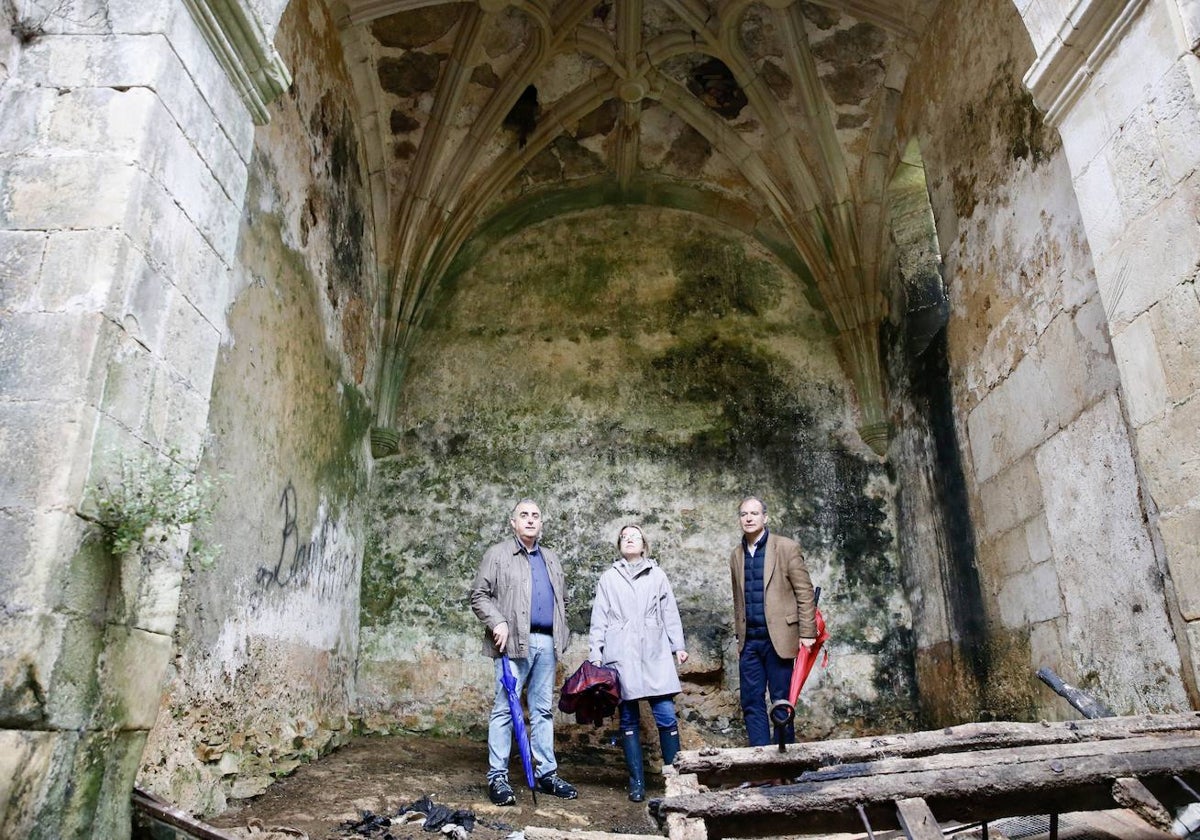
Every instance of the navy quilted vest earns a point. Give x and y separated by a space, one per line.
756 615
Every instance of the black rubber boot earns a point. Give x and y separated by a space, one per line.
631 742
668 739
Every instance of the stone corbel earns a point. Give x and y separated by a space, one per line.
248 57
859 351
384 442
1086 37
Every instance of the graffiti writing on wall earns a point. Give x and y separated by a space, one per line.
301 563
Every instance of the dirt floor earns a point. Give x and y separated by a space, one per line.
385 774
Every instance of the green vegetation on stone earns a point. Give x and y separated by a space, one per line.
153 499
717 279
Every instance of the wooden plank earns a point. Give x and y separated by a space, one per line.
714 767
1132 794
917 821
985 785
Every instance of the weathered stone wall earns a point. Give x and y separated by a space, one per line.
1069 574
935 535
1129 123
628 365
132 266
123 151
9 43
268 632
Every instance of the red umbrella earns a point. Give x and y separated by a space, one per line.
518 721
806 657
783 712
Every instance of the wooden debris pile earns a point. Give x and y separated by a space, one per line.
971 773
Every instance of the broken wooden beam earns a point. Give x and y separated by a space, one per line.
163 812
962 786
741 764
1132 794
917 820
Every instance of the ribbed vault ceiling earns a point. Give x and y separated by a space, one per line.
775 117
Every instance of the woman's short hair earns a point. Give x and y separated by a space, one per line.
638 528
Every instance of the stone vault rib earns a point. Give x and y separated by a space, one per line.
838 225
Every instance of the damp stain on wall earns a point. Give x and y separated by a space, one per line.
627 364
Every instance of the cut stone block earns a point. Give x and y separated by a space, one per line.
1109 576
134 663
1169 450
25 763
1181 541
21 255
1145 382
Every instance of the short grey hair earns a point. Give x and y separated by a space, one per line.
752 499
526 501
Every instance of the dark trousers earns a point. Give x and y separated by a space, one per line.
760 668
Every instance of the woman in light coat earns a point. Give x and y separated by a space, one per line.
636 629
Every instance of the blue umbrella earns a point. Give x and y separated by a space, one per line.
518 721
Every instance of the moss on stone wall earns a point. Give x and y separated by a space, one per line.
717 278
625 365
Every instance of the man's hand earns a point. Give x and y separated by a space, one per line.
681 656
807 642
500 635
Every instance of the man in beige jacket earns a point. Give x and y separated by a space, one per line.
774 612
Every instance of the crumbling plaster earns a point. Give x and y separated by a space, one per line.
267 640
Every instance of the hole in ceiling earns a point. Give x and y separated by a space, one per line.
713 84
522 118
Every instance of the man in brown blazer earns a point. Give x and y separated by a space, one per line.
774 612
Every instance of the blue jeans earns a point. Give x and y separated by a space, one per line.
663 709
760 668
536 675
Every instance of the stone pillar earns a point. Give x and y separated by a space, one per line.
124 146
1120 82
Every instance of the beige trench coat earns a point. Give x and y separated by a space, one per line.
636 629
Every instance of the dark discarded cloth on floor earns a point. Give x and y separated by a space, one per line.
437 816
370 825
591 693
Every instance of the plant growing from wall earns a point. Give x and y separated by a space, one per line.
151 500
31 20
